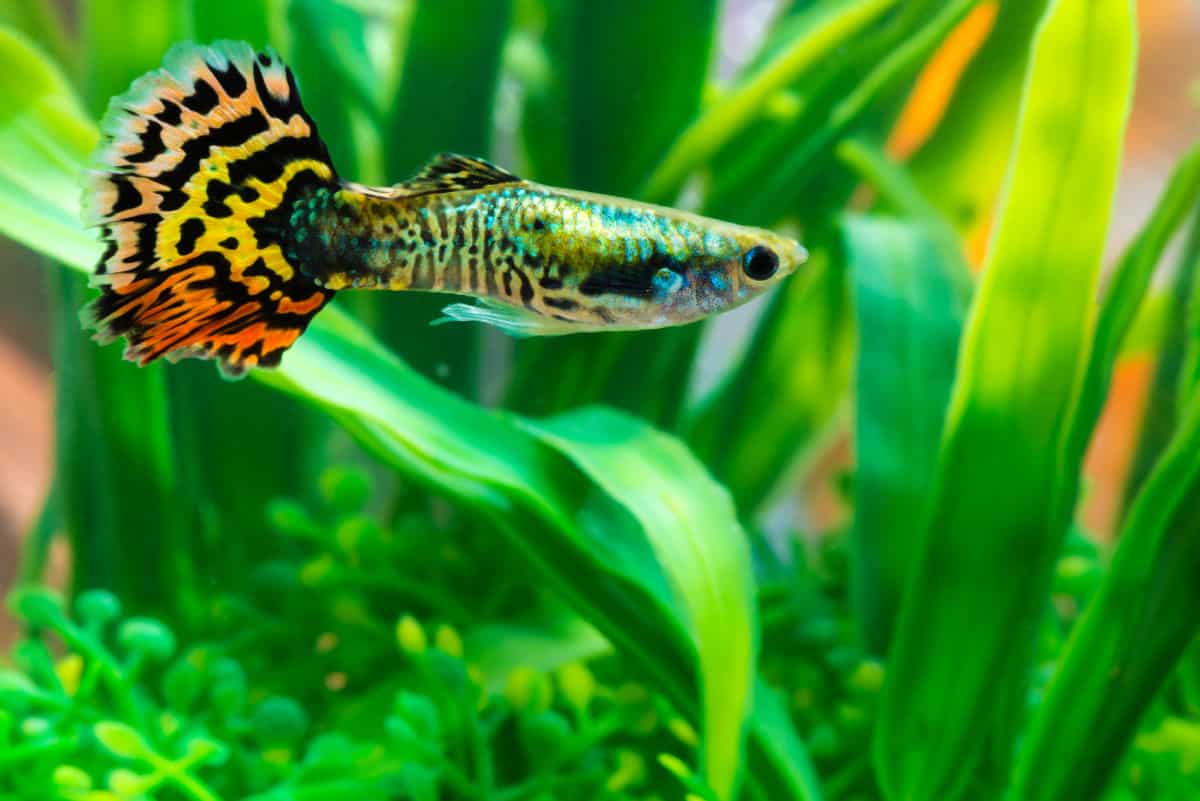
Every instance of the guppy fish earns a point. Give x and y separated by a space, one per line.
227 229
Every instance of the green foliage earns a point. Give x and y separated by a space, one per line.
128 712
1009 465
555 599
910 314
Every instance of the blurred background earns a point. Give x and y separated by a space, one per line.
1164 122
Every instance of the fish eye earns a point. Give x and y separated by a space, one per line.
760 262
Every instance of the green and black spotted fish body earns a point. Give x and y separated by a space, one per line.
227 229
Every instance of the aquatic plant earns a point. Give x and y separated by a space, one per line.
549 573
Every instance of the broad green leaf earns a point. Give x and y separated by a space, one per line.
1008 471
449 77
44 134
786 387
909 309
961 167
589 534
1132 635
692 526
42 21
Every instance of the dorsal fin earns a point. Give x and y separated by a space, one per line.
450 172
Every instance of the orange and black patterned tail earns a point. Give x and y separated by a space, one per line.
193 187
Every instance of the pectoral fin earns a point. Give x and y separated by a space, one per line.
511 320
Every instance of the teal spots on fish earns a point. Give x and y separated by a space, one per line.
712 244
666 281
572 261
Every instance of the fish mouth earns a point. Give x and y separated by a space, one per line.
793 255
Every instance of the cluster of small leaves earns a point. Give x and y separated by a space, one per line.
812 649
305 692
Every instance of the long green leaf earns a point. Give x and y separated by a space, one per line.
786 183
38 177
1116 660
700 546
1162 407
777 757
1134 632
825 27
909 308
1007 476
664 588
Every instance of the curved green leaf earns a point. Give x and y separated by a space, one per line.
1007 472
691 524
44 135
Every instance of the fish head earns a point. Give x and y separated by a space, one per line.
736 265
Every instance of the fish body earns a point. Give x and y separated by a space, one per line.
574 260
228 229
